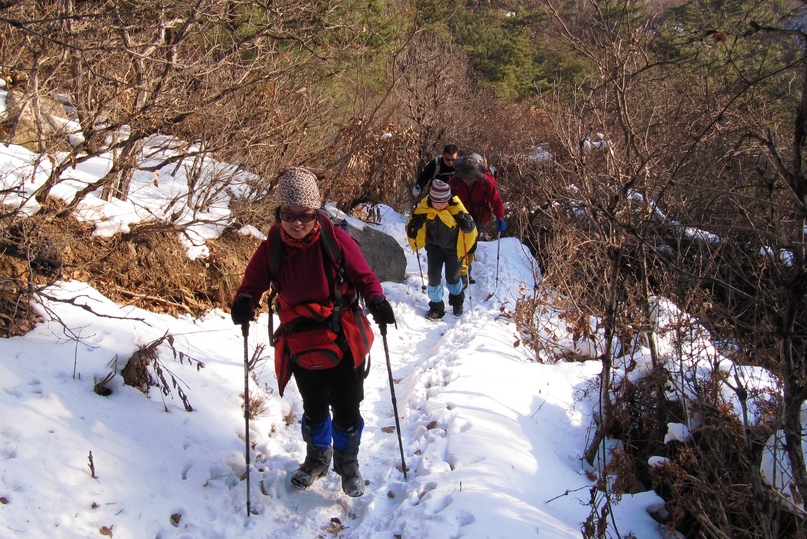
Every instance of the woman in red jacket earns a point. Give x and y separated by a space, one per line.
476 189
316 341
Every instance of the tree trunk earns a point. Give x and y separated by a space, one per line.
606 407
795 392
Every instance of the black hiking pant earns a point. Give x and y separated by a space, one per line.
436 259
338 390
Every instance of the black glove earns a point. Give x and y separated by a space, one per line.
243 310
382 311
466 223
414 226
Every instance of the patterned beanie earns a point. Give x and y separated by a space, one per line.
297 186
439 191
470 167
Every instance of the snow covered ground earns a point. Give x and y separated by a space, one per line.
492 440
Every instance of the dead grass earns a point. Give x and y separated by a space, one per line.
147 267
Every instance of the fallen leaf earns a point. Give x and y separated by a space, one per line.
391 495
388 429
175 518
335 526
95 505
106 531
3 500
432 425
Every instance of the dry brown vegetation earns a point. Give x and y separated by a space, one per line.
147 267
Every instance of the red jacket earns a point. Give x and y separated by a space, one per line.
480 198
303 280
302 273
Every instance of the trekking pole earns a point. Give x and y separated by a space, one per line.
423 283
498 252
245 333
468 273
383 328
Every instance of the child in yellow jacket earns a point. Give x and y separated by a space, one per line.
442 226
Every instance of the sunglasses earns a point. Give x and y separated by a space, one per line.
305 217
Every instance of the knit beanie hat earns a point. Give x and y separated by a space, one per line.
439 191
470 167
297 186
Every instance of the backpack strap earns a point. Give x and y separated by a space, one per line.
334 254
438 164
275 256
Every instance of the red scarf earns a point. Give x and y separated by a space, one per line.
303 243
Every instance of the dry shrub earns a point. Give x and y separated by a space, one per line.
16 317
145 370
371 165
711 483
259 396
147 267
532 316
33 253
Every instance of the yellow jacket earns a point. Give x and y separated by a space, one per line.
424 214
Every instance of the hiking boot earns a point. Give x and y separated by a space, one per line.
437 310
456 302
316 465
346 464
471 280
352 481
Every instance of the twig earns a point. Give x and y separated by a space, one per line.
73 302
568 491
154 299
92 466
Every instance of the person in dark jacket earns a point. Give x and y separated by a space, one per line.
329 376
441 225
440 168
473 184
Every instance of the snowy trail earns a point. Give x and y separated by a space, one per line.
491 438
422 354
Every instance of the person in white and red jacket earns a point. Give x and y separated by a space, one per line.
326 359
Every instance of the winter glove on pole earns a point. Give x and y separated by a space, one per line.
416 191
382 311
500 225
243 310
414 226
466 223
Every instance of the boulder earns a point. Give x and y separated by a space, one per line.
384 255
